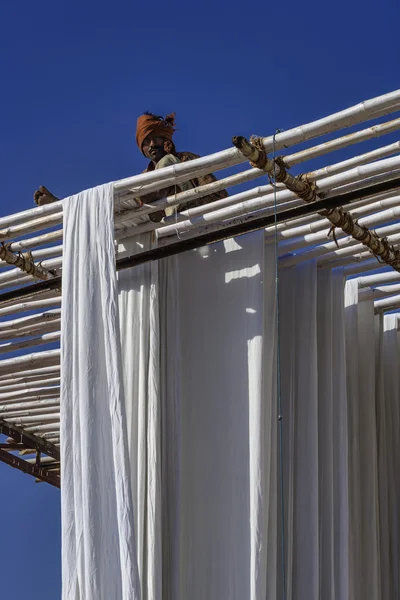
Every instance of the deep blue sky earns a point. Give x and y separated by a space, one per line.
74 77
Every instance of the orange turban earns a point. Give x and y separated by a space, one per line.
147 124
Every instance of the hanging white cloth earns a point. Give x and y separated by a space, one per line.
140 346
226 453
314 432
98 542
364 560
179 436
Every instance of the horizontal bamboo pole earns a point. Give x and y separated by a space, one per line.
36 393
31 214
22 307
47 316
30 361
31 375
51 427
31 330
36 419
29 385
46 238
27 406
21 229
382 291
387 303
46 338
377 279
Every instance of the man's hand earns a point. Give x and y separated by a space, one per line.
43 196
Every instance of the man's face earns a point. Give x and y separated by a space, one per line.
153 147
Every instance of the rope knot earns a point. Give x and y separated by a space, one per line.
262 159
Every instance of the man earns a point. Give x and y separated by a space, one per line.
154 139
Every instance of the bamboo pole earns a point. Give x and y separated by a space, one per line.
27 406
387 303
46 238
36 393
30 375
27 227
46 338
53 418
377 279
29 385
28 306
29 361
31 330
50 428
46 317
379 292
30 214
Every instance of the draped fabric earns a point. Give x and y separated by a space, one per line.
313 368
170 406
98 535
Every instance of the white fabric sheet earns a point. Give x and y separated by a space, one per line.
314 433
98 541
170 450
227 504
139 325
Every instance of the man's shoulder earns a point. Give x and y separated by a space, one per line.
167 160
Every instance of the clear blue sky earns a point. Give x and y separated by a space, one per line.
75 76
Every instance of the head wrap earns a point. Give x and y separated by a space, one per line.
147 124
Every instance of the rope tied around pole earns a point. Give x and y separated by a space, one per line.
24 262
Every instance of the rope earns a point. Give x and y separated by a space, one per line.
278 378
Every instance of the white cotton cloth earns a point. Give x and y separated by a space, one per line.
219 354
314 409
363 458
139 326
169 424
98 538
